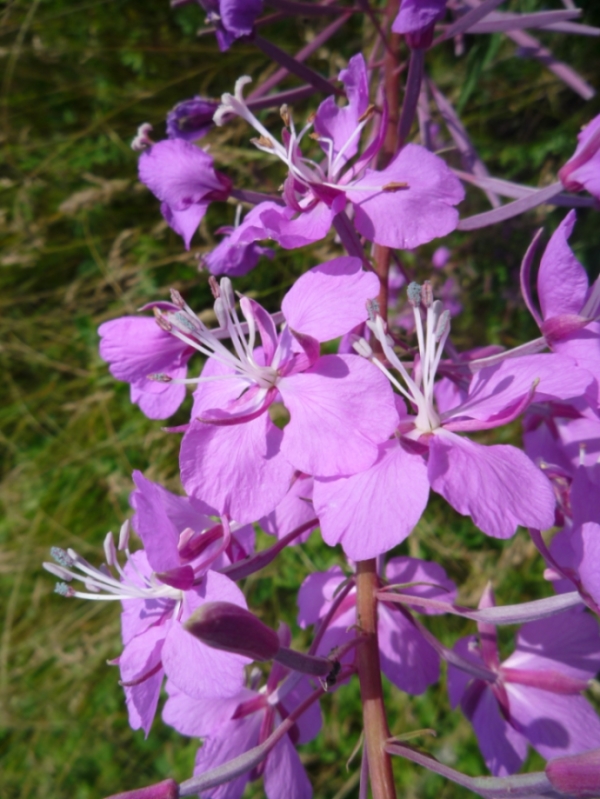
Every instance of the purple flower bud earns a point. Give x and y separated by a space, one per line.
191 119
576 775
223 625
167 789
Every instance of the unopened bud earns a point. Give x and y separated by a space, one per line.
167 789
414 294
576 775
223 625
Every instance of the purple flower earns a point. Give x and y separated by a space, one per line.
582 170
184 179
191 119
232 18
231 727
416 19
534 696
160 587
570 307
498 486
408 203
232 455
407 659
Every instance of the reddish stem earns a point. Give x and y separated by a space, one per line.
367 582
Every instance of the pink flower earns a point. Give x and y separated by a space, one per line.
535 697
408 203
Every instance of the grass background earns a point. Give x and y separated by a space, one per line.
82 242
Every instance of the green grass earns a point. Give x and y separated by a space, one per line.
83 242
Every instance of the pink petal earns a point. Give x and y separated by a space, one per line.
407 659
503 748
435 583
562 282
329 300
340 409
407 217
316 593
141 657
193 667
238 469
339 123
295 509
554 724
185 221
371 512
498 486
234 738
285 777
198 718
568 643
311 225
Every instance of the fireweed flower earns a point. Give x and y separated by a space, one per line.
536 695
159 589
231 18
233 457
408 203
407 659
233 726
498 486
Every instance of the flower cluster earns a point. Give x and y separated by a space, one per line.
341 412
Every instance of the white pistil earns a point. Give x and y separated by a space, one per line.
418 390
100 583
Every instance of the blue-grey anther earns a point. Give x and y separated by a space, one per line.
183 320
372 309
61 557
159 377
414 294
62 589
442 325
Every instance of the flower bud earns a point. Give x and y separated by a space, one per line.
576 775
223 625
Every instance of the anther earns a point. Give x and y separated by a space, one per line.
414 294
285 114
395 185
64 590
372 309
442 325
159 377
368 112
62 557
124 534
427 294
214 287
177 299
262 141
162 321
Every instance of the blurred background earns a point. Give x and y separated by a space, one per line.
82 241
